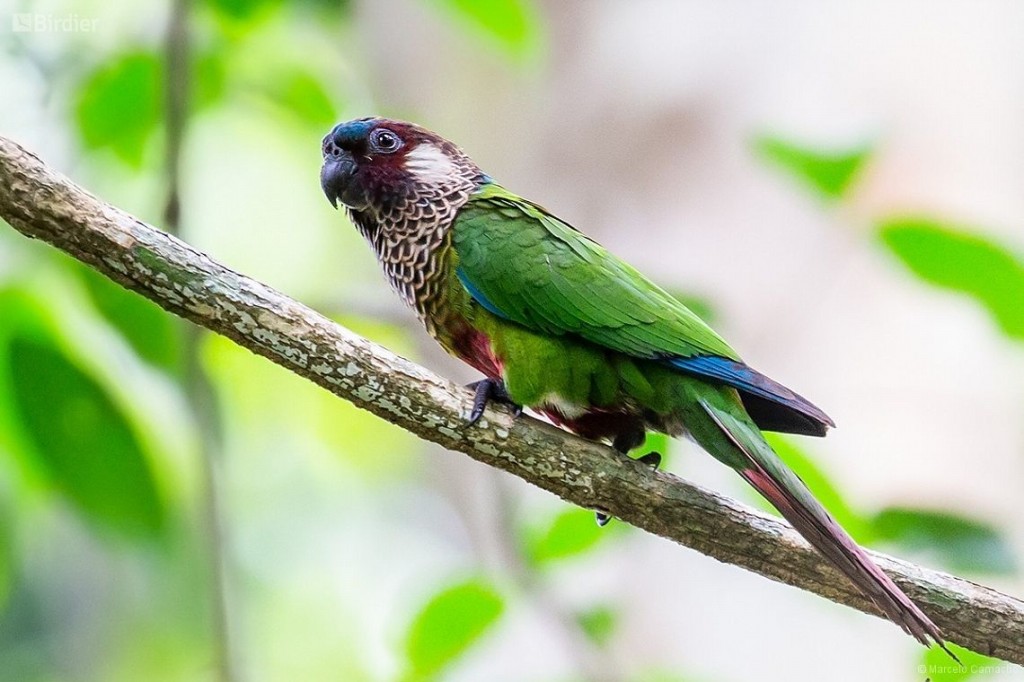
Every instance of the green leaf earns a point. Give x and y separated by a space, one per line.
153 333
449 624
512 24
119 105
962 545
569 533
301 94
829 173
937 666
81 440
598 623
242 10
821 486
210 79
332 10
953 258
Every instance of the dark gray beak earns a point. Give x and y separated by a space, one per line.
336 176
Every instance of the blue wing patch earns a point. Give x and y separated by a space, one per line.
731 372
748 380
478 295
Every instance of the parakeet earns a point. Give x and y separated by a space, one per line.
559 325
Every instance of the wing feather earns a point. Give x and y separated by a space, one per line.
524 265
541 273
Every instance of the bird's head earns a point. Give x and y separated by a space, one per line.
378 165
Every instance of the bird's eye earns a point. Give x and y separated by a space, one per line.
385 141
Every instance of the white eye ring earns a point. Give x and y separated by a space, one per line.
384 141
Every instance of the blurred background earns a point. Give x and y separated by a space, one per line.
835 186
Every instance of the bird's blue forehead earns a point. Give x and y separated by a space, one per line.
352 132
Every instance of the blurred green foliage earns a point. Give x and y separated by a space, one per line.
569 533
81 439
599 623
938 667
831 174
948 257
120 104
243 10
300 93
449 624
512 24
959 544
963 545
963 261
73 432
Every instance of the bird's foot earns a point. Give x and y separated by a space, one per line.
484 392
651 459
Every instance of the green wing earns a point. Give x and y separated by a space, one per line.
523 264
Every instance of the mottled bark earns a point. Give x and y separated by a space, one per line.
44 205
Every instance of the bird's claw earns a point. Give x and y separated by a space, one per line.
484 392
651 459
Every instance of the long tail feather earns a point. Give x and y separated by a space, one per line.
784 489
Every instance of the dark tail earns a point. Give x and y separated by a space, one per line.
768 474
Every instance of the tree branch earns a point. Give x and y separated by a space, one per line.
44 205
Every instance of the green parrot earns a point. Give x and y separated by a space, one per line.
559 325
